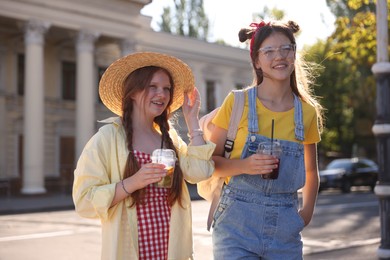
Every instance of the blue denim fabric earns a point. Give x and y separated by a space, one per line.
258 218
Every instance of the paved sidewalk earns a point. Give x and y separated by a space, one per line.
313 250
49 202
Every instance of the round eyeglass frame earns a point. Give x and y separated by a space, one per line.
284 50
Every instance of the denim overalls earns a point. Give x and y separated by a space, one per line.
258 218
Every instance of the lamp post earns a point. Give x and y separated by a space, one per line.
381 128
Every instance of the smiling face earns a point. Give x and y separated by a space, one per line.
276 57
154 99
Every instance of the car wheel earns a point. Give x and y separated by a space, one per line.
346 186
373 186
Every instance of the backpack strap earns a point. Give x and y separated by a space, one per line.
238 108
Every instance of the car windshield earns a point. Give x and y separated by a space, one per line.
339 164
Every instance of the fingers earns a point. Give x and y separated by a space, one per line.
262 164
186 99
156 169
192 98
267 168
152 172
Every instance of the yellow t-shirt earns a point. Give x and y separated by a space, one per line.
284 127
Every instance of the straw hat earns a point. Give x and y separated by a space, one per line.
112 82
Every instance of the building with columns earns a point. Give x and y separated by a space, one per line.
52 54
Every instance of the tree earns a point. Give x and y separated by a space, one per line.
347 84
269 14
349 8
188 18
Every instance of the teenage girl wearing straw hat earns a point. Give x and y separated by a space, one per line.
260 218
114 177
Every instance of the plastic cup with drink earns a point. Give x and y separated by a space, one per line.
271 148
168 158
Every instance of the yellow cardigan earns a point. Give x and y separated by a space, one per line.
100 167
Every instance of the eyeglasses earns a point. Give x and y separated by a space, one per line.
284 50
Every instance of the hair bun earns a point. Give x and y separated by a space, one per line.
294 27
245 34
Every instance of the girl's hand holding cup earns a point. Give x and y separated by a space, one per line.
168 158
271 148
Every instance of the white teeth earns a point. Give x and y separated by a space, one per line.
158 103
280 66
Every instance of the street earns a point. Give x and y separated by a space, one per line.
341 221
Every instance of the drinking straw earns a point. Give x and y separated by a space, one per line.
162 146
162 141
272 134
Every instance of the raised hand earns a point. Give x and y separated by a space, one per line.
191 108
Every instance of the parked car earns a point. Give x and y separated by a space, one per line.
348 172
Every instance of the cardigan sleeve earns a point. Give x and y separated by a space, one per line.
93 190
195 161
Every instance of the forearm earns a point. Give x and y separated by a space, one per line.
123 189
309 196
227 167
310 190
191 108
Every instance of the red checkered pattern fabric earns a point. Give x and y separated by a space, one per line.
153 219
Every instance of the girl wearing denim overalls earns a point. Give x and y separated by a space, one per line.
261 218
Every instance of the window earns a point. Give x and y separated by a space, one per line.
210 95
68 80
20 76
67 161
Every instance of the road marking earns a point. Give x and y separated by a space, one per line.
348 205
46 235
38 235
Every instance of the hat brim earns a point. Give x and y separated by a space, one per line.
112 82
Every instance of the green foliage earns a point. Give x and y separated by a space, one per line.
269 14
188 18
165 25
346 84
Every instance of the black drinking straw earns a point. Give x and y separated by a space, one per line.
162 146
162 141
272 134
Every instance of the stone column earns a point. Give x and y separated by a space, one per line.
381 128
86 89
34 97
3 128
227 84
200 83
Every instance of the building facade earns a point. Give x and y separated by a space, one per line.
52 54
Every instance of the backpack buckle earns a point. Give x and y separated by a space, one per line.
229 144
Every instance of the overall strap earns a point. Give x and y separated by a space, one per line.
298 119
253 125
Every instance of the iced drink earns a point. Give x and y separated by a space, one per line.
168 158
274 149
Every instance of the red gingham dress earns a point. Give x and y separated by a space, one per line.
153 219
